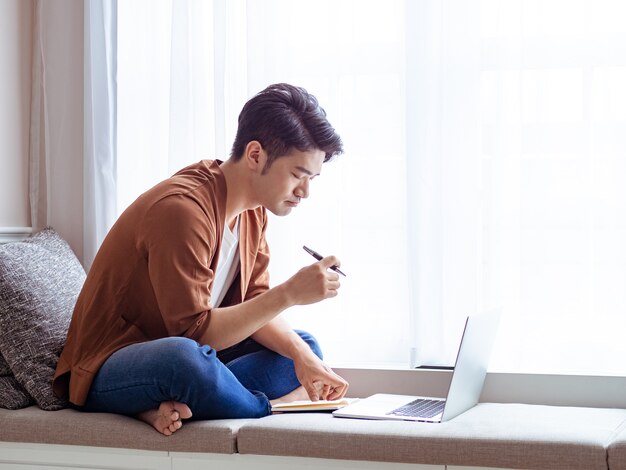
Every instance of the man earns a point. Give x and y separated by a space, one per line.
176 318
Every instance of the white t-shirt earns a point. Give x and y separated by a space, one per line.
228 264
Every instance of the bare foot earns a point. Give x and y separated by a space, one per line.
299 393
167 418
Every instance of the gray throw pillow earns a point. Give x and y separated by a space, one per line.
12 394
40 279
4 367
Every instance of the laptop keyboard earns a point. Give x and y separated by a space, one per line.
420 408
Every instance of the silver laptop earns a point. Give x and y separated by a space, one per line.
465 387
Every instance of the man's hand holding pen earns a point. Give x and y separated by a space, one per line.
315 282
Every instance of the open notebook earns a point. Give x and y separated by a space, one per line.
307 405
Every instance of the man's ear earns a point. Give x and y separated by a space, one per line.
255 156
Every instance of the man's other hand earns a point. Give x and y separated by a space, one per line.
319 380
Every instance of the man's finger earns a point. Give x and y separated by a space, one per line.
330 261
325 391
338 392
312 392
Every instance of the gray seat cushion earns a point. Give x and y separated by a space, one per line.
617 450
71 427
489 435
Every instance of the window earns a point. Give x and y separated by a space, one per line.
484 162
351 56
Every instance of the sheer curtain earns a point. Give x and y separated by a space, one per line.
186 68
165 91
181 80
351 55
100 118
523 206
443 157
553 177
484 161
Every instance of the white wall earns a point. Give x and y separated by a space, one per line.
62 44
61 177
16 29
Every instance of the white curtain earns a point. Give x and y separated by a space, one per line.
443 158
553 176
519 107
39 130
185 70
181 76
484 161
351 55
100 117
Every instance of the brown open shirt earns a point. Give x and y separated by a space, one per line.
153 274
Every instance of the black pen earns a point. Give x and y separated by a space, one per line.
319 257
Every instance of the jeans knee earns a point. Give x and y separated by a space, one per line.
185 354
174 346
311 341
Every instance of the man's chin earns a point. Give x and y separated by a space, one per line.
280 211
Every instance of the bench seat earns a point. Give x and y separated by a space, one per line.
491 435
617 450
68 426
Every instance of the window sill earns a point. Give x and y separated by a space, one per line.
500 387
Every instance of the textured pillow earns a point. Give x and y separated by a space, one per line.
12 394
4 367
40 279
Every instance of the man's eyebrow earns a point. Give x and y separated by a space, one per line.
304 170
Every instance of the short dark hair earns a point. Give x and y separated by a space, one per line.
282 118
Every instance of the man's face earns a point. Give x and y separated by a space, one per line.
281 186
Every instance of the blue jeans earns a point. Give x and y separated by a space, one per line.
237 382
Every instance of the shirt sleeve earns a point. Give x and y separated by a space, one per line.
180 243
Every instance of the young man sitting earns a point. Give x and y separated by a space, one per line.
176 318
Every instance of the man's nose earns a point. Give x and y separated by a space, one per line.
302 191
